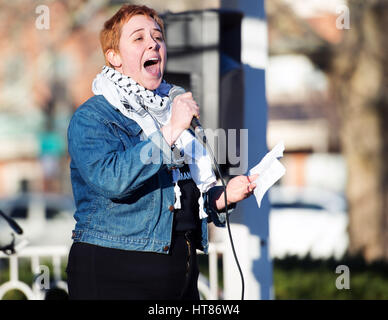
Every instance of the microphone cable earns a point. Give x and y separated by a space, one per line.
201 137
207 146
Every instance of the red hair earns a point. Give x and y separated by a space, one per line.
111 33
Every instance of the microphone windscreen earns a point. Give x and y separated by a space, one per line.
175 91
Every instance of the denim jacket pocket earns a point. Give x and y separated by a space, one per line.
133 128
129 134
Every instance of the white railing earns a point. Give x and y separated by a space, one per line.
36 291
208 288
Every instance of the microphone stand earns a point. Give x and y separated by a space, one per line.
10 248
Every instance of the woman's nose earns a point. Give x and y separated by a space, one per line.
153 44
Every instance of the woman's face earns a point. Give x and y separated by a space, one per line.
142 51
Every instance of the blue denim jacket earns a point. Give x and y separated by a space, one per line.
120 201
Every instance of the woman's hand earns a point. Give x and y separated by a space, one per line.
237 189
184 108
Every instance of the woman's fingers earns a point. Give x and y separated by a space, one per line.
187 94
253 177
252 187
184 109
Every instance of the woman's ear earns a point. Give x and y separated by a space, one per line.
114 58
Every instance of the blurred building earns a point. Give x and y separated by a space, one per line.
301 111
45 74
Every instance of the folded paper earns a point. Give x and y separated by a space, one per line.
270 170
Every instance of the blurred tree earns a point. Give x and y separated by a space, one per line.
357 70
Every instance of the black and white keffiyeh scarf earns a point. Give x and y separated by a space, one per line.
151 110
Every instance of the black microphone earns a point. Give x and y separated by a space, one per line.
195 124
12 223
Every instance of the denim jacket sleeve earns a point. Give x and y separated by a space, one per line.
107 167
218 217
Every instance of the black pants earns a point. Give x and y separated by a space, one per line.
96 272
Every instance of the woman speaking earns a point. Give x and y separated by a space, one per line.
143 185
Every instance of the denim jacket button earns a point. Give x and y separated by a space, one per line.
166 248
171 208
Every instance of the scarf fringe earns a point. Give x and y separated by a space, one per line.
178 193
202 213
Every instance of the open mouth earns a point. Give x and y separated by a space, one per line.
151 62
152 66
